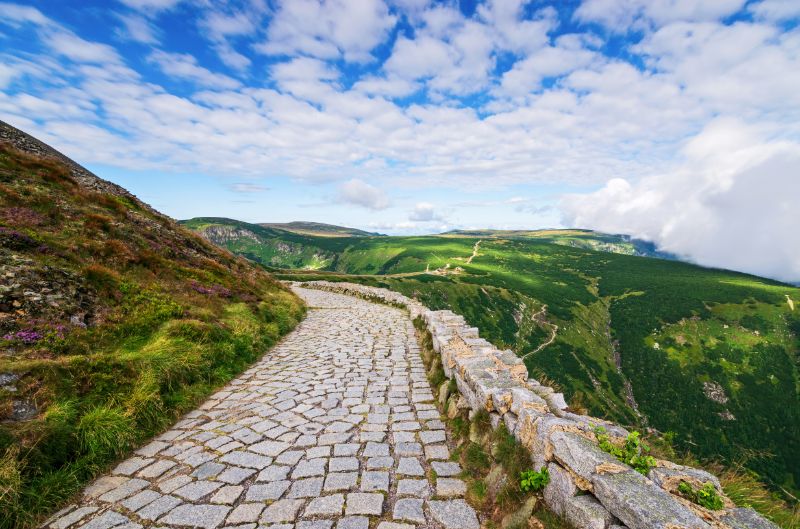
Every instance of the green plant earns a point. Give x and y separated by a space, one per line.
533 481
475 459
632 452
105 430
706 496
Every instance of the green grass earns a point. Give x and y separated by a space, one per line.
170 319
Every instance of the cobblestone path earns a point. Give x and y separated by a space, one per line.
335 427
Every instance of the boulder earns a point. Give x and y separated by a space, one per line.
669 476
585 512
560 489
581 455
746 518
520 517
640 504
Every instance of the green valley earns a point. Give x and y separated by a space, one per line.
707 357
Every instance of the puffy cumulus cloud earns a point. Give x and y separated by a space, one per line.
455 54
328 29
425 212
359 193
724 67
731 204
622 15
551 61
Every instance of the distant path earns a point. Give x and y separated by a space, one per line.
539 317
474 252
335 425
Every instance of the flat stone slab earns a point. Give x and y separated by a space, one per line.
332 428
454 514
638 502
205 516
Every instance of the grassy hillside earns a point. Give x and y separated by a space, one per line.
319 229
708 357
114 320
591 240
269 246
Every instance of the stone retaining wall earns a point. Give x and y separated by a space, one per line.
590 488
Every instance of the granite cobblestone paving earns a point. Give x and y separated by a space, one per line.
334 427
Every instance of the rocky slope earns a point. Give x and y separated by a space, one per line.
113 320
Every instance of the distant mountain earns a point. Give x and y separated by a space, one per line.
319 229
274 246
588 239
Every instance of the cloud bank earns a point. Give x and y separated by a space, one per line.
734 203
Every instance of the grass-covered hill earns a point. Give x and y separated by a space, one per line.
319 229
114 320
591 240
316 246
708 357
272 245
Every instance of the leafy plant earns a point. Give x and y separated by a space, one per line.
533 481
706 496
633 451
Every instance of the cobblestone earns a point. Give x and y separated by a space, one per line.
333 423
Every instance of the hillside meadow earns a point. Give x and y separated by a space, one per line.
114 321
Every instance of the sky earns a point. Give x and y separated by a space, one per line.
675 121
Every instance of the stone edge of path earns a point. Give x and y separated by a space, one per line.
588 487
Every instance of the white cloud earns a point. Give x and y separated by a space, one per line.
389 87
248 187
621 15
151 5
15 13
328 29
775 10
137 28
731 204
359 193
552 61
184 66
75 48
220 28
514 32
425 212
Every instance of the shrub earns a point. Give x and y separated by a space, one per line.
103 279
706 496
95 222
632 452
533 481
105 430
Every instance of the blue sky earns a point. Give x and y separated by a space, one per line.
673 120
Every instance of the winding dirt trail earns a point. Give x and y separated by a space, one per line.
539 317
474 252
